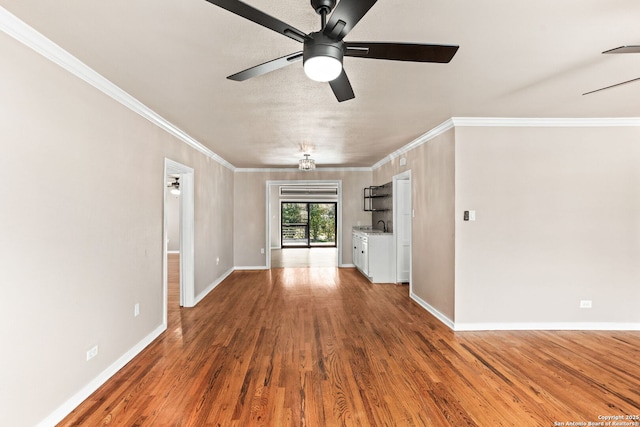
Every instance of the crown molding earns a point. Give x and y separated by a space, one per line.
546 122
422 139
509 122
27 35
345 169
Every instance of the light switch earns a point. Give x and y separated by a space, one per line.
469 215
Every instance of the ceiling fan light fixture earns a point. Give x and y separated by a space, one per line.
306 164
322 68
175 186
322 58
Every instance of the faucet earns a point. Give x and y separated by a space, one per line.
384 226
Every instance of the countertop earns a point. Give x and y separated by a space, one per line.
368 230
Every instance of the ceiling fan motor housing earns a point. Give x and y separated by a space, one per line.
317 44
320 5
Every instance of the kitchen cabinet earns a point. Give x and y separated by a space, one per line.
373 255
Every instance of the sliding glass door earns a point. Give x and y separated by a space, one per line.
307 225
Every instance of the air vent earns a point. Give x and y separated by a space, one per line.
308 191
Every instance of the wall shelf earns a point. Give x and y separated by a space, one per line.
370 194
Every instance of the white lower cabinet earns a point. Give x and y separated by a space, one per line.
373 256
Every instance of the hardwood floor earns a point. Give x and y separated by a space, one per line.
324 347
173 290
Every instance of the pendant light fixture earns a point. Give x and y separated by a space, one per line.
306 164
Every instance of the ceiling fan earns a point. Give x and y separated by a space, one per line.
175 186
323 50
621 49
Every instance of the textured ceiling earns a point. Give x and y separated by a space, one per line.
516 59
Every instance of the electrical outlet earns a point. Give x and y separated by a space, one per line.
92 352
262 250
217 260
585 303
136 310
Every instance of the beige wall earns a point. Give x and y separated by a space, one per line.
81 230
250 215
432 198
558 221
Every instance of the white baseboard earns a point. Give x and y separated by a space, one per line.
526 326
173 252
548 326
248 267
347 266
212 286
441 317
65 409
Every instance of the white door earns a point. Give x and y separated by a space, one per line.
403 227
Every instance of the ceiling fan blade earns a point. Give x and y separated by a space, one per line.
341 87
266 67
259 17
401 51
624 49
345 16
609 87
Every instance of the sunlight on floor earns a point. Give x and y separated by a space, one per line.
303 257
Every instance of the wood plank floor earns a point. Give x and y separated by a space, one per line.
324 347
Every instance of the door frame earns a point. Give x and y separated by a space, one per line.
404 176
269 184
187 234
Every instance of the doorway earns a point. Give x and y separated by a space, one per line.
299 190
402 215
185 235
308 224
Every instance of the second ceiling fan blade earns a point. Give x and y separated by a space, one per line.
624 49
612 86
401 51
621 49
261 18
266 67
345 16
341 87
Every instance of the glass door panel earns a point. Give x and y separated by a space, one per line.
306 225
295 225
322 224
